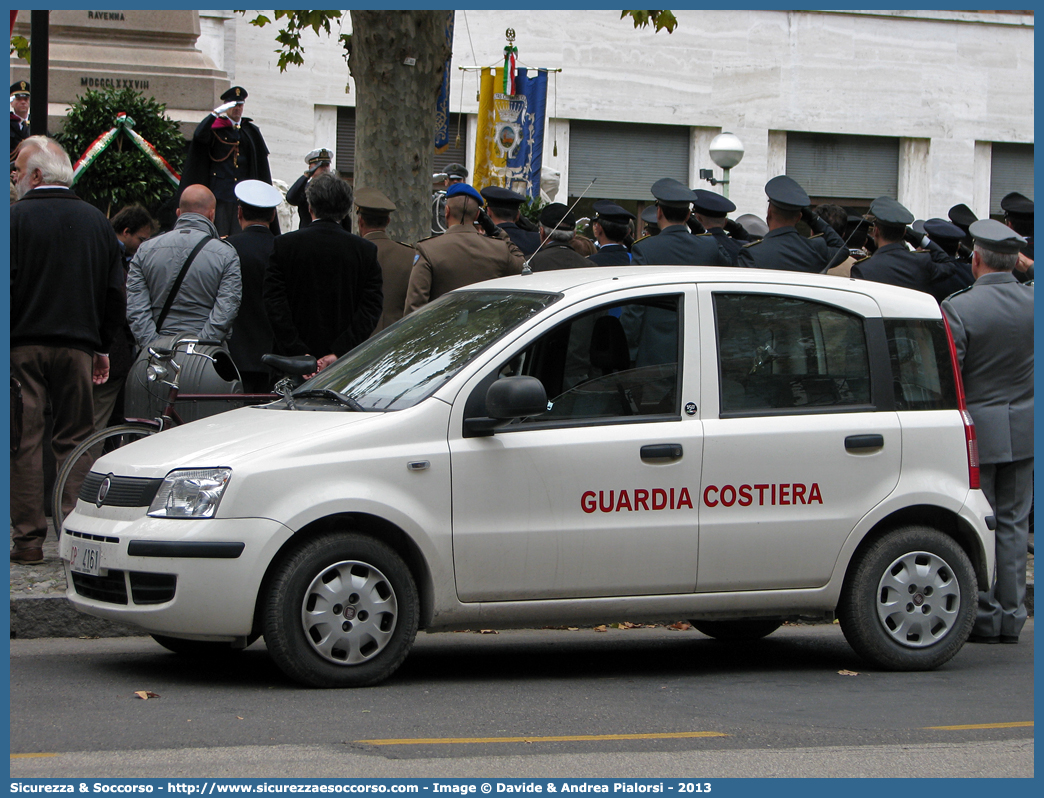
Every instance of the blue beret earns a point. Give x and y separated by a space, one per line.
785 193
463 188
710 203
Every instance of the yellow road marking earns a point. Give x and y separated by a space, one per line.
1019 724
29 756
556 739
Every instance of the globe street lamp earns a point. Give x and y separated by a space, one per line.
726 150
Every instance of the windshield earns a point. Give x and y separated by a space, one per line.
418 354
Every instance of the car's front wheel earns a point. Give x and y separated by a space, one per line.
341 611
909 599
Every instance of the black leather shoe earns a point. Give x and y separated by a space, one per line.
1012 639
983 639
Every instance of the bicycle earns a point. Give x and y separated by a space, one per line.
163 369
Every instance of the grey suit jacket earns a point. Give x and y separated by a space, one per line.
992 326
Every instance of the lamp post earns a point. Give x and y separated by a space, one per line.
726 150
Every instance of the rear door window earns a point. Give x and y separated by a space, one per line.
786 354
922 372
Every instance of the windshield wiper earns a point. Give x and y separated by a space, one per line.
330 393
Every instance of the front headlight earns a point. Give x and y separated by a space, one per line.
190 493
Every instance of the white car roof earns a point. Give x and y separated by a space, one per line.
894 301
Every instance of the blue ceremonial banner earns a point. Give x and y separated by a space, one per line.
530 155
442 105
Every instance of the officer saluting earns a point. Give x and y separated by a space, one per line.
711 210
226 148
992 327
675 245
783 247
609 228
933 272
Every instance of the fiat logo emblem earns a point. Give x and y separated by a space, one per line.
103 490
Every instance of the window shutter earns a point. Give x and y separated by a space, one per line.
615 152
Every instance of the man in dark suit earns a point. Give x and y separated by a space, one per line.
992 327
19 113
931 271
251 335
610 228
226 148
675 245
504 207
67 305
783 247
323 287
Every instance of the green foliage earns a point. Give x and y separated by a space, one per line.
122 174
531 209
20 47
289 37
660 19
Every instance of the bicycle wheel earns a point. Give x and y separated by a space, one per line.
79 462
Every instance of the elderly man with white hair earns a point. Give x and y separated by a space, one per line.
67 304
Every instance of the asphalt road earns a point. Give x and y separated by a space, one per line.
531 703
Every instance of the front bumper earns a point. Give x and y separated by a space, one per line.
178 577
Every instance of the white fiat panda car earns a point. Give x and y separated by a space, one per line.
735 447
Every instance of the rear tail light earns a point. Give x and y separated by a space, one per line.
962 405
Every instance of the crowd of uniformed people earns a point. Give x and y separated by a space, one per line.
321 290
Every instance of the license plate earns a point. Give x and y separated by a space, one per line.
86 559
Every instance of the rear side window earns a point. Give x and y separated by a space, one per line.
780 353
922 374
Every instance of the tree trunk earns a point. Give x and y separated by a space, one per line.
395 109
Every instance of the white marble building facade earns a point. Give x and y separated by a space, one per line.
946 86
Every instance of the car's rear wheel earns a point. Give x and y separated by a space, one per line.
908 602
738 630
341 611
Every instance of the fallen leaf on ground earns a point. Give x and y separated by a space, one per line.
602 628
629 625
145 695
572 628
681 626
847 673
488 632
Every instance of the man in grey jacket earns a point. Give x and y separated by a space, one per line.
992 326
208 299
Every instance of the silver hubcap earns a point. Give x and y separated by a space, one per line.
918 599
349 612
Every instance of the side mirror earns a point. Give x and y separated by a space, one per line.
507 399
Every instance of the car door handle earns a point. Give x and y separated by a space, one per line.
662 451
864 442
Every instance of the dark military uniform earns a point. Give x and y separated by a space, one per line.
675 245
992 326
933 272
612 255
526 240
221 155
785 248
19 126
728 244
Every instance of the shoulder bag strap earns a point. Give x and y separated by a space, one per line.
177 283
